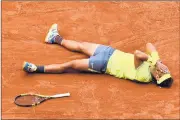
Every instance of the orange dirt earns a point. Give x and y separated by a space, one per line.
124 25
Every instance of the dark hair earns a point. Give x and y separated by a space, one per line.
166 83
154 79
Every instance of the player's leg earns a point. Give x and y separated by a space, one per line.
54 37
81 65
84 47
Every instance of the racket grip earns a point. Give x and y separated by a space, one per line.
60 95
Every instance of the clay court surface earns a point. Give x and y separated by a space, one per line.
123 25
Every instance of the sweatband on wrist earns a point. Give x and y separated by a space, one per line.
155 57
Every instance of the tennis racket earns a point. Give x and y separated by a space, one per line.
29 100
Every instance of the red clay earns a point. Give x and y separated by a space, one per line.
124 25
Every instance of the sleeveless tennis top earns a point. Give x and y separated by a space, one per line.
122 65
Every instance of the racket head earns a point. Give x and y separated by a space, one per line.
29 100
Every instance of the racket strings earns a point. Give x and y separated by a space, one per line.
29 100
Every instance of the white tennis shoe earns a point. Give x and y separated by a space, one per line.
29 67
53 32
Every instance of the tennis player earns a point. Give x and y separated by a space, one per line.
140 67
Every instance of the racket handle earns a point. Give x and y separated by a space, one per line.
60 95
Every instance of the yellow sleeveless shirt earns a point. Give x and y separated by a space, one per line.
121 65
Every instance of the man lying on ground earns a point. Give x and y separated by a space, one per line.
140 66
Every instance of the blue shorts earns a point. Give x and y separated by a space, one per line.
98 62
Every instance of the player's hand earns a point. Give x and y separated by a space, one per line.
162 67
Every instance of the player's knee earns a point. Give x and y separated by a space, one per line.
75 64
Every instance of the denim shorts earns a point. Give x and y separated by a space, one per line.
98 62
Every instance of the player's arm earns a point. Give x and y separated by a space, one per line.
151 50
139 57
